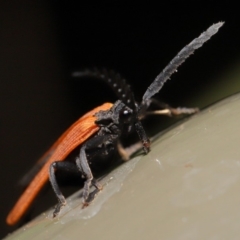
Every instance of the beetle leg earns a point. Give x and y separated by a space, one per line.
83 166
93 194
52 177
125 153
165 109
173 111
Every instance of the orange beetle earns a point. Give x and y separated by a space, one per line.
98 132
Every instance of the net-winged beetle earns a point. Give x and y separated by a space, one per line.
99 131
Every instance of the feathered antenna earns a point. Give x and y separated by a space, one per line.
159 81
114 80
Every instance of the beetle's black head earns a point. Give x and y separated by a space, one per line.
121 119
117 120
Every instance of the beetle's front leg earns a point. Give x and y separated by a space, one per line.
126 152
83 166
66 166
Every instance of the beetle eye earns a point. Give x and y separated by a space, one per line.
126 115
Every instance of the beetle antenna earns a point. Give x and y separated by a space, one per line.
114 80
159 81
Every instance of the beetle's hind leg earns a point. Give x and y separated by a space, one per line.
83 166
126 152
174 111
66 166
165 109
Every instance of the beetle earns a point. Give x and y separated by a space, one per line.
98 132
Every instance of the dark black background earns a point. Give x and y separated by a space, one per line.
42 42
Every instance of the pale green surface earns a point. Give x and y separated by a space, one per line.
187 187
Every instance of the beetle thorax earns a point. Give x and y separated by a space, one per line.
115 120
